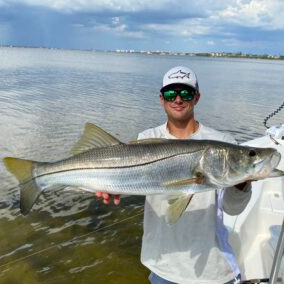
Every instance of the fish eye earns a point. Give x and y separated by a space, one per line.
252 153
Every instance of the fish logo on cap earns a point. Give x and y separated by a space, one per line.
179 74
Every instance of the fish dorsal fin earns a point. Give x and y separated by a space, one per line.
177 205
149 140
93 137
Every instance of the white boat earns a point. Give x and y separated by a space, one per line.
254 234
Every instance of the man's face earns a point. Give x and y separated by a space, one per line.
179 109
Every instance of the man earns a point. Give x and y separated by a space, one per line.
196 248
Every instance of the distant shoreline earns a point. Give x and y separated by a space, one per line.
146 52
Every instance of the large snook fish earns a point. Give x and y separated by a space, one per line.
177 168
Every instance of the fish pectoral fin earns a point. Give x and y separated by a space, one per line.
194 180
93 137
177 205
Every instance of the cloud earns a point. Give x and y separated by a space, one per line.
255 13
115 26
251 13
115 20
92 5
210 42
207 23
120 30
182 28
129 6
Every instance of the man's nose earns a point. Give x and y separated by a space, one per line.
178 99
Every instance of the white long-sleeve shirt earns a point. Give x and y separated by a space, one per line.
195 249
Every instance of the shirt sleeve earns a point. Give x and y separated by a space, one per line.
144 135
141 136
234 200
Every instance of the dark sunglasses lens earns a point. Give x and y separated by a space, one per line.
170 95
187 95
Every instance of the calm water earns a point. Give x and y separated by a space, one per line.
46 97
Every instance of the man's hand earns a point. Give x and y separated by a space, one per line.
107 197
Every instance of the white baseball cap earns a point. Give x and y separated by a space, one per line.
180 75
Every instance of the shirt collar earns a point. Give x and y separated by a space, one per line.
168 135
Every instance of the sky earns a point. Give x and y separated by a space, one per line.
247 26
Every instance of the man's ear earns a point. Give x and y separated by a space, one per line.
197 97
162 100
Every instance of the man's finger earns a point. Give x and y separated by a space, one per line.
98 194
105 195
116 199
106 200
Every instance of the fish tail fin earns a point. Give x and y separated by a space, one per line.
23 171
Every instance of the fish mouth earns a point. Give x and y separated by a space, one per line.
264 166
275 159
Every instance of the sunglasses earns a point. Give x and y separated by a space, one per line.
185 94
